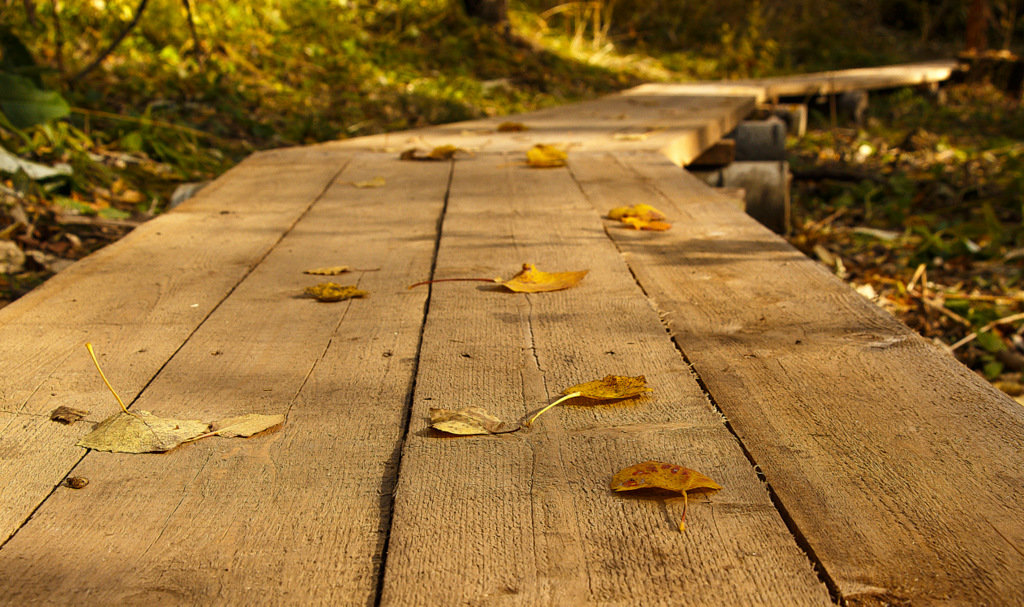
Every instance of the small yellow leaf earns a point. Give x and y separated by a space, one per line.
441 152
641 211
661 475
644 224
532 280
468 421
376 182
245 425
141 432
333 271
512 127
546 156
331 291
612 387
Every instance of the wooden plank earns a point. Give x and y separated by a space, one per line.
527 518
138 301
296 516
677 120
860 79
898 466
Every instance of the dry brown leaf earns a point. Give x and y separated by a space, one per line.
245 425
546 156
468 421
67 415
334 271
611 387
661 475
332 291
512 127
532 280
141 432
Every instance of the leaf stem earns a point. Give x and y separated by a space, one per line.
88 347
561 400
682 521
430 282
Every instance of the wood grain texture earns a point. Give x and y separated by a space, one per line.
900 467
297 515
137 300
528 518
676 120
859 79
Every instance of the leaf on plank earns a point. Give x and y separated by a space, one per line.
441 152
67 415
376 182
468 421
661 475
332 271
141 432
245 425
532 280
610 388
543 155
332 291
640 217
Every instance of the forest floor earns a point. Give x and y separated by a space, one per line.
921 208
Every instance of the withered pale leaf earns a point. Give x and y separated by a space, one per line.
376 182
532 280
468 421
334 271
141 432
245 425
543 155
661 475
332 291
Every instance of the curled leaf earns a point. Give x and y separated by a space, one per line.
532 280
245 425
546 156
512 127
441 152
333 271
612 387
141 432
468 421
661 475
67 415
645 212
331 291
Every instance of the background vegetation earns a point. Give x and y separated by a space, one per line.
934 230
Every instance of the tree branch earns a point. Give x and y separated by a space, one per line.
117 40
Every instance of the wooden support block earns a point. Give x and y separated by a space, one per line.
760 139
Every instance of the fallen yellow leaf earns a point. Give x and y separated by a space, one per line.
546 156
640 211
332 291
532 280
441 152
333 271
468 421
611 387
661 475
245 425
644 224
376 182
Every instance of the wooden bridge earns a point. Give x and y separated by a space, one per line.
860 463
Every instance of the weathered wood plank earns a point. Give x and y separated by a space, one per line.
677 121
859 79
295 516
528 518
137 300
900 467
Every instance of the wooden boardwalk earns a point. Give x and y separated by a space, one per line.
860 463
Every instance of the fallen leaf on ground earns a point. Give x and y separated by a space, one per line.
332 291
67 415
441 152
468 421
244 425
512 127
76 482
641 217
532 280
643 224
546 156
141 432
328 271
528 280
376 182
661 475
611 387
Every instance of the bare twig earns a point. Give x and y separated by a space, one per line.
197 47
974 334
113 44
